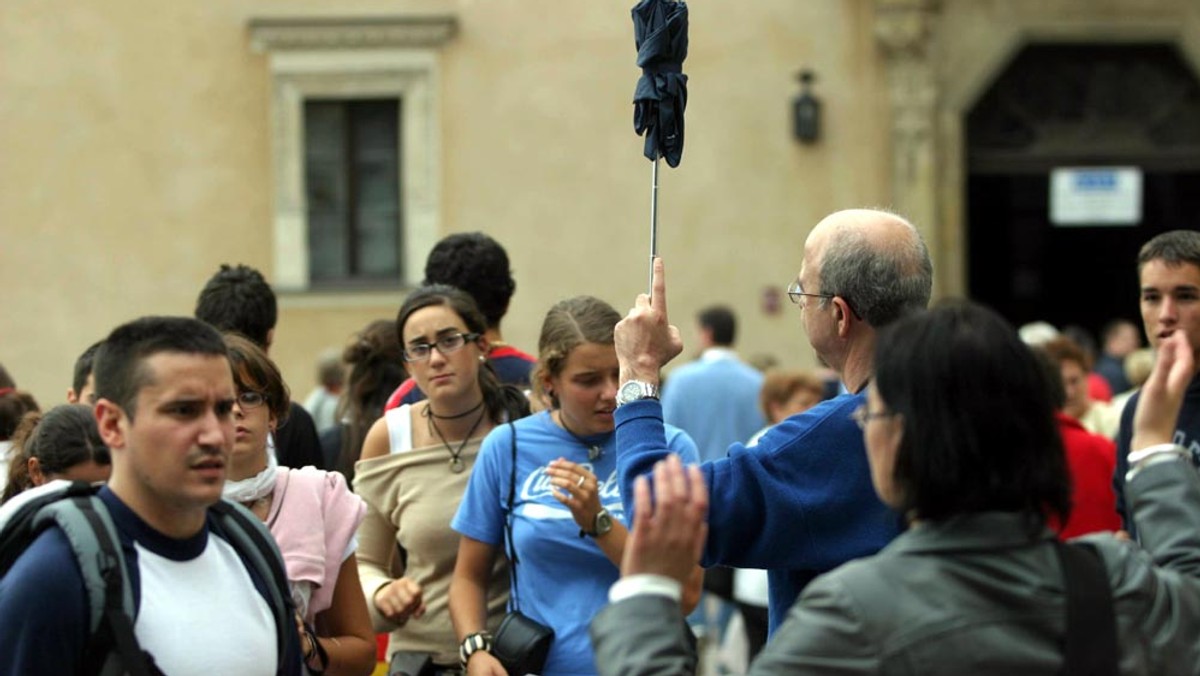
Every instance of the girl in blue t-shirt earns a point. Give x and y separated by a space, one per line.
569 525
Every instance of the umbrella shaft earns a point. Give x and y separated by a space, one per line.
653 220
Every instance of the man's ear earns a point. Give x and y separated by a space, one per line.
108 419
72 396
270 339
843 315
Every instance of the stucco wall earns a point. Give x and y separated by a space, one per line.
135 157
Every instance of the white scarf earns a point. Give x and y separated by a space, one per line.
258 486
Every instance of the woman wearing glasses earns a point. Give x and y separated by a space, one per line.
311 513
567 517
415 464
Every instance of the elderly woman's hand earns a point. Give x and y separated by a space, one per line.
669 535
1162 394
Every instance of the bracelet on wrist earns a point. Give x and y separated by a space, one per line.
1152 455
473 643
316 659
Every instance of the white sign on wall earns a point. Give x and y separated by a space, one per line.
1096 196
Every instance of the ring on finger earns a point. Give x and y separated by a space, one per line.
579 484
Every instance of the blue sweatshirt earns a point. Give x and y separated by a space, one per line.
799 503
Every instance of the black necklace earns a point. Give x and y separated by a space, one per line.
456 463
594 450
429 412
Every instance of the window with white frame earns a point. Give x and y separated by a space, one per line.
354 125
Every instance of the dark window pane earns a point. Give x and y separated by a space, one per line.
327 255
352 184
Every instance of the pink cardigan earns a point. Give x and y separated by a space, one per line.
313 518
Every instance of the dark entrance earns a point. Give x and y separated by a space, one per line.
1072 105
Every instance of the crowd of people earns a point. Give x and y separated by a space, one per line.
451 504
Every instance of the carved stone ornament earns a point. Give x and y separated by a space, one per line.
278 34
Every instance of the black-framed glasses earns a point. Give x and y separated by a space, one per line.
248 399
796 293
447 345
863 416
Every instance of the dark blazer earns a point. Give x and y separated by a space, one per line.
972 595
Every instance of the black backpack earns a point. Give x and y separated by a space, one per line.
82 516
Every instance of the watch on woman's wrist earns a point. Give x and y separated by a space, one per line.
601 525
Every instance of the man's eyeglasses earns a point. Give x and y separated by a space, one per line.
447 345
248 399
864 416
796 293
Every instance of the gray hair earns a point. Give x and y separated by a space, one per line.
881 281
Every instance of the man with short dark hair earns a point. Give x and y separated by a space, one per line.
1169 278
238 298
477 264
83 384
715 398
165 400
801 501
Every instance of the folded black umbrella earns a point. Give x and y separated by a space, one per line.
660 30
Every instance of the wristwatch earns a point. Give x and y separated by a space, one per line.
480 640
602 524
633 390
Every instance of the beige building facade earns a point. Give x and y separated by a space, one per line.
142 144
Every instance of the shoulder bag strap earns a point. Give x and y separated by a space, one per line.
1091 636
508 525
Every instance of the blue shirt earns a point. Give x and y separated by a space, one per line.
714 400
562 579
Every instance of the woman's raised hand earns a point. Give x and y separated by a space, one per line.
400 600
578 489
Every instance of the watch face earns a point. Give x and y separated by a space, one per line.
604 522
629 391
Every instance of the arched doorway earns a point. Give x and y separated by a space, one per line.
1075 106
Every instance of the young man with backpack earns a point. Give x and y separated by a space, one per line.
165 397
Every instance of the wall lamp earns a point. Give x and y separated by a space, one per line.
806 110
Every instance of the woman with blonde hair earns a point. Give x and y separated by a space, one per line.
566 518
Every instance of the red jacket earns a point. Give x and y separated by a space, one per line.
1091 460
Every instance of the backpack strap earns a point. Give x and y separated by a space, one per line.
84 520
1091 636
250 537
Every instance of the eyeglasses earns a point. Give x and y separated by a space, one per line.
863 416
796 293
447 345
248 399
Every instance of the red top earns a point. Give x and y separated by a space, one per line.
1098 388
1091 460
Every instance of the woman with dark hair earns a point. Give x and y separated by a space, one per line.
311 514
14 404
62 443
567 519
376 365
961 438
415 464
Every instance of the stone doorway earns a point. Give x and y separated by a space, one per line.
1076 105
